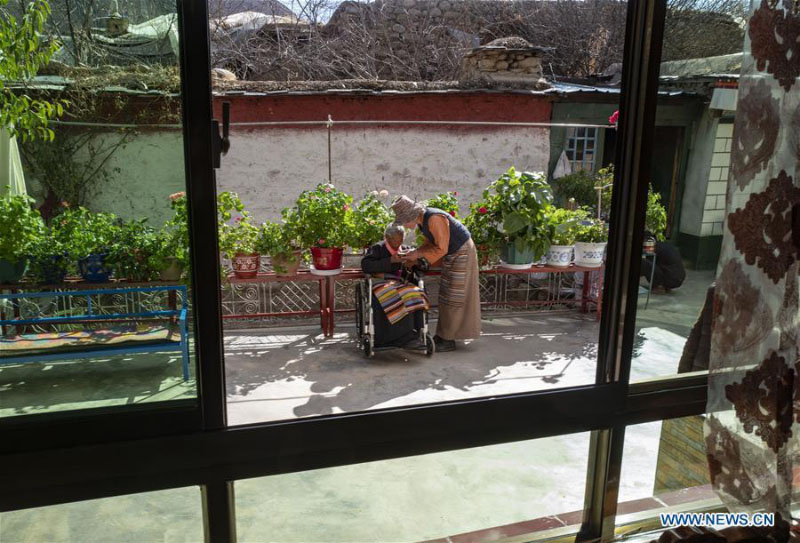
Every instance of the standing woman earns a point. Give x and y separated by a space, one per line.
448 241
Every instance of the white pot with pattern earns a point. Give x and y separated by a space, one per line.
589 255
559 255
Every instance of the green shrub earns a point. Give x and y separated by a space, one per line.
21 227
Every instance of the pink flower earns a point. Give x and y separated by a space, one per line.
238 219
452 213
482 210
614 118
455 193
321 241
177 196
346 207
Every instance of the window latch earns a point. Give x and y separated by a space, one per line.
221 140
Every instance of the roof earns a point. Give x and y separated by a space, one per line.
724 66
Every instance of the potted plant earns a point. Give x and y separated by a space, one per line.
656 215
563 224
521 201
278 240
238 236
90 240
590 245
481 223
133 254
20 228
323 220
446 201
370 219
50 260
171 255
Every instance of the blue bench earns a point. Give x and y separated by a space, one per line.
129 338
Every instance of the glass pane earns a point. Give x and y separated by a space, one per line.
529 487
94 303
664 468
172 516
687 206
292 341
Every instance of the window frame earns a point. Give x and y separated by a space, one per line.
109 452
571 147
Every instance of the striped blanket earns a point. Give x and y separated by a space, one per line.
399 299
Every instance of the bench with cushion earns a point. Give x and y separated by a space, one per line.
121 332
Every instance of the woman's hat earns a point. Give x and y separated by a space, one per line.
406 210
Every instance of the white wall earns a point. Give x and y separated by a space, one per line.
269 168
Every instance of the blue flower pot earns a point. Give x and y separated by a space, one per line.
12 272
93 268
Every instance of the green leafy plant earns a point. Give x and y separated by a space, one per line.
322 217
237 233
583 186
564 225
482 225
50 259
591 231
137 251
86 233
370 219
21 227
172 241
656 215
520 202
279 241
25 51
578 185
446 201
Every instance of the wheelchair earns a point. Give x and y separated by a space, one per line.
365 326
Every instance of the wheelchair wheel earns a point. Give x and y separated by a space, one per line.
359 312
430 345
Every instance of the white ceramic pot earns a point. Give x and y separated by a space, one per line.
589 255
559 255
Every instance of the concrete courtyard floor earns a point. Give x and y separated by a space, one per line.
279 374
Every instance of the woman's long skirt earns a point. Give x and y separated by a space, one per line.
459 295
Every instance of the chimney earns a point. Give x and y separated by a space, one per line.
505 60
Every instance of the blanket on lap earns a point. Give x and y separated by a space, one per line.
399 299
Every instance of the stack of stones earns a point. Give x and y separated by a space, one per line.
507 60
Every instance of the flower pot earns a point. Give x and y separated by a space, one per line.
11 272
327 259
245 266
512 256
53 269
283 265
172 272
559 255
93 268
589 255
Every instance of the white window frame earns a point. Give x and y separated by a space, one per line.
589 139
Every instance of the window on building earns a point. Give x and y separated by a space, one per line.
581 148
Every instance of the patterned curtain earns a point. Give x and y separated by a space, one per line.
753 425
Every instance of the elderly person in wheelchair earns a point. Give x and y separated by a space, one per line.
397 313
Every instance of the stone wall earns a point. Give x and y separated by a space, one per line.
502 64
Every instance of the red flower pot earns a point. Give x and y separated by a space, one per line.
245 266
327 259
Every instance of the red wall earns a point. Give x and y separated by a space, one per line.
455 106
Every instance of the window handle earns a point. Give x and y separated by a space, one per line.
221 143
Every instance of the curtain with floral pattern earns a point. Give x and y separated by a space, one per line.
753 423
